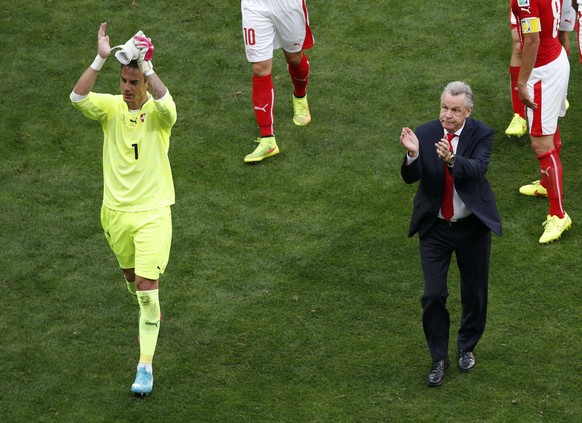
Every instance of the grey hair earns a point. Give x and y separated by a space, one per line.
458 88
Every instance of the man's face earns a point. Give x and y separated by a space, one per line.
133 87
453 112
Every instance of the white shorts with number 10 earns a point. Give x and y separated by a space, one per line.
272 24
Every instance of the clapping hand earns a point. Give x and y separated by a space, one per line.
103 47
409 141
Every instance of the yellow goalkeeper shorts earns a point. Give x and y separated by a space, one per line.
139 240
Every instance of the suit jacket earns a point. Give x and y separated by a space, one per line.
472 161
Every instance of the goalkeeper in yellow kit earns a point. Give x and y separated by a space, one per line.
138 188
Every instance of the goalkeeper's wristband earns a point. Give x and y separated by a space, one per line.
146 67
98 63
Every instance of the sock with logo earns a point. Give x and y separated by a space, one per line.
300 76
551 168
149 323
263 102
558 147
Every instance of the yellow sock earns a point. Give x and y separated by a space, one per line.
149 324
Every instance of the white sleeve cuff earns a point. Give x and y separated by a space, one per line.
77 97
98 63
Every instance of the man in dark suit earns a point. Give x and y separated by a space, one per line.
454 211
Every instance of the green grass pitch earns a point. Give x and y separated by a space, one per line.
293 292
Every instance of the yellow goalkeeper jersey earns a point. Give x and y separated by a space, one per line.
136 169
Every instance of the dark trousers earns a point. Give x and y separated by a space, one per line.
470 240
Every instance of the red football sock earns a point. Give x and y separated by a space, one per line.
300 76
558 147
516 103
263 100
551 169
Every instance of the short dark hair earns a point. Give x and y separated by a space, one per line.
131 64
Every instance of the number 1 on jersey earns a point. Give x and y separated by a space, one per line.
135 150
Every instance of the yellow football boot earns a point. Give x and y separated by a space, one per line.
517 127
534 189
301 115
554 227
267 148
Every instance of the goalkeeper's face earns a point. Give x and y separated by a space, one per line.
133 87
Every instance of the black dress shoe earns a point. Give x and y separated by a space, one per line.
466 361
436 376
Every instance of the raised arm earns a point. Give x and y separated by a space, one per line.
144 61
156 86
86 81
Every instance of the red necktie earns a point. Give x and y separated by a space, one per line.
447 199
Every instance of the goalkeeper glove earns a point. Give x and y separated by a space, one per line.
146 53
128 51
